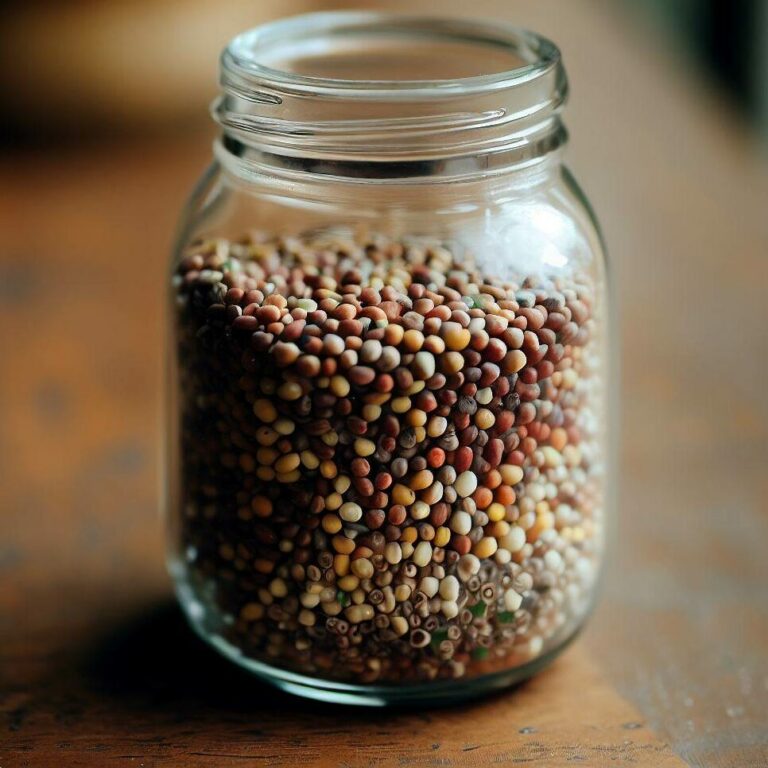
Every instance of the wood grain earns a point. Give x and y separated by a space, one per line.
96 666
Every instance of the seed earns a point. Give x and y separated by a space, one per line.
350 512
455 337
402 494
369 407
265 410
512 600
393 553
362 568
466 483
449 588
287 463
420 510
399 625
484 419
514 361
364 447
449 608
358 613
461 522
422 554
339 386
485 548
429 586
423 365
511 474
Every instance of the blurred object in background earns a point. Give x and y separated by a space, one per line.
75 69
728 39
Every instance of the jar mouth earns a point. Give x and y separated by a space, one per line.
367 87
281 54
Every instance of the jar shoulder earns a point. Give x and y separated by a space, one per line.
544 225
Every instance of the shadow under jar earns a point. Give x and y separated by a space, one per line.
388 407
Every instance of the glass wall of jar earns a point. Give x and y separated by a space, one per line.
388 410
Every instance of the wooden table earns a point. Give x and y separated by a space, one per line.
96 667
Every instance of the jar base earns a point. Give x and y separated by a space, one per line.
433 693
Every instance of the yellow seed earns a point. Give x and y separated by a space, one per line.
485 547
328 469
364 447
511 474
341 484
309 460
420 434
400 404
484 419
416 418
262 506
371 412
409 535
331 607
496 512
402 494
284 426
348 582
451 362
343 545
402 592
288 477
399 625
421 480
330 438
341 565
265 410
287 463
290 390
442 536
331 524
413 340
339 386
513 361
307 618
362 568
416 387
278 588
454 336
333 500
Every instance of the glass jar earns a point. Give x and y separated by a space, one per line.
388 406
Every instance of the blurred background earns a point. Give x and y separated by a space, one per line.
74 69
79 68
105 129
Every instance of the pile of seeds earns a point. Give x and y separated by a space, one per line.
390 466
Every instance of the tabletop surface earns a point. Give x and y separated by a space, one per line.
96 665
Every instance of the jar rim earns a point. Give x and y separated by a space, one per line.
242 56
482 123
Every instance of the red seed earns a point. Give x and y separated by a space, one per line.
435 457
463 459
461 544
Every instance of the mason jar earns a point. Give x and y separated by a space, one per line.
388 405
